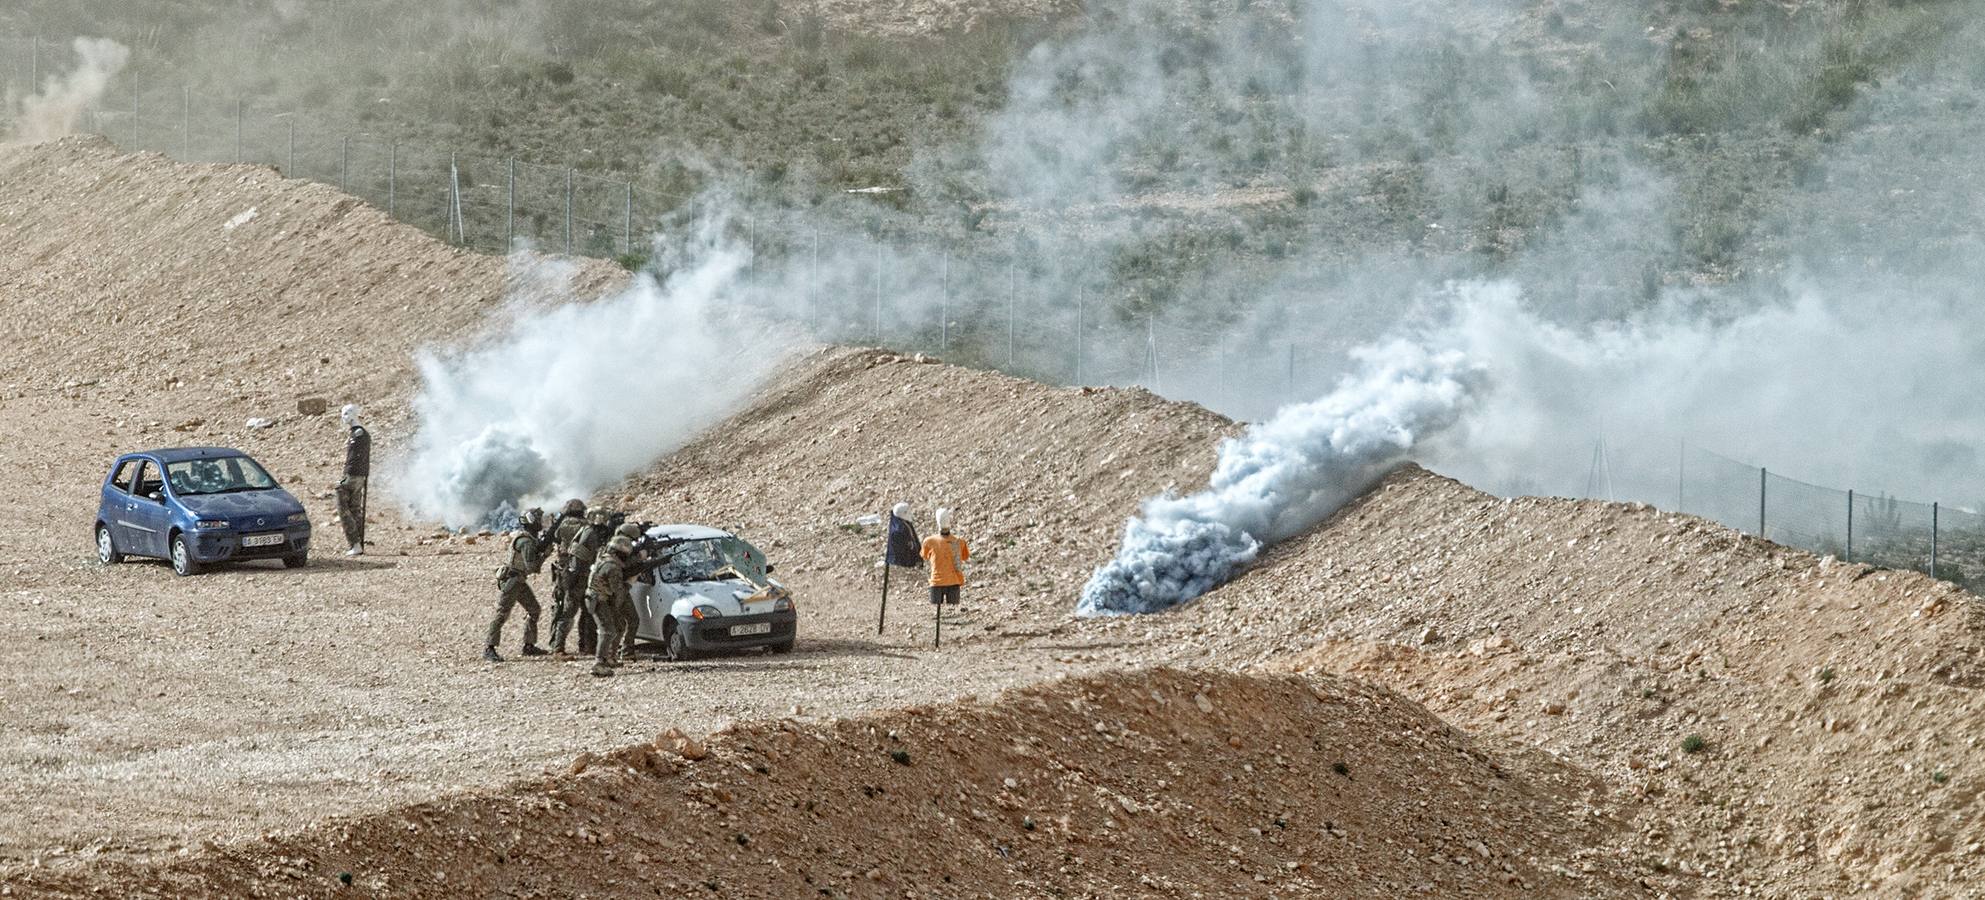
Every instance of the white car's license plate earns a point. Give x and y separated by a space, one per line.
261 540
757 628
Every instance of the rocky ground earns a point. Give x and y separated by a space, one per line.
1630 702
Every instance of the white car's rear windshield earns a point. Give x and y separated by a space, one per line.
225 475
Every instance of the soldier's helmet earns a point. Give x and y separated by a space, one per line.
597 517
629 530
533 517
620 546
575 507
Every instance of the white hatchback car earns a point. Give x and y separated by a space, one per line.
714 592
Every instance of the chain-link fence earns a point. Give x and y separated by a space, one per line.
1866 528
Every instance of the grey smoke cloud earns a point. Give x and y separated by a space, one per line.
58 105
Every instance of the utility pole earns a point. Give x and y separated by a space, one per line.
345 164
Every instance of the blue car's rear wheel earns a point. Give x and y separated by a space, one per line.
106 547
182 557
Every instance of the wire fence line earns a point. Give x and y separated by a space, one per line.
1036 307
1877 529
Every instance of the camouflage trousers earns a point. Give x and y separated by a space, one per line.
607 612
514 590
570 608
351 509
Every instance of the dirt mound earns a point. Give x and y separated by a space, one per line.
1041 477
1155 783
1833 702
192 289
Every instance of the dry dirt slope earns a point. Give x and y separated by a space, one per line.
1840 706
1154 783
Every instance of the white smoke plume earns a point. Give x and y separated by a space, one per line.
58 107
1283 476
568 399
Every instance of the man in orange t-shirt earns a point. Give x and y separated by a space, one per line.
945 552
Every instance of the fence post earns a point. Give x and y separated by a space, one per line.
1761 479
291 128
186 123
237 129
1151 341
392 174
1081 324
510 209
454 198
345 164
568 210
627 221
1850 525
1012 283
1933 539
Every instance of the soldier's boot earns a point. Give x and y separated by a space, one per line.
489 653
535 650
602 670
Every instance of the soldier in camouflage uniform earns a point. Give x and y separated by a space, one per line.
606 596
568 583
513 587
583 549
635 567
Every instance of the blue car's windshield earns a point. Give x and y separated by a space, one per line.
225 475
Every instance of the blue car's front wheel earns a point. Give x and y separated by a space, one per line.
106 547
182 557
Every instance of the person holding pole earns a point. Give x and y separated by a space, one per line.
900 548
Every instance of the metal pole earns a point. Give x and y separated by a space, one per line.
1850 525
186 123
882 615
455 199
878 292
813 288
1762 475
1151 338
291 127
1933 539
510 210
627 221
568 210
1012 276
237 129
1081 323
944 308
392 175
345 165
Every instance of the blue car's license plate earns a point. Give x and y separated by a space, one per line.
261 540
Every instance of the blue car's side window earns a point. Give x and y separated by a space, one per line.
122 477
149 480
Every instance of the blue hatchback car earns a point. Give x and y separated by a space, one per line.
195 506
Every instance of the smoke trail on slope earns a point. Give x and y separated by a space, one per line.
1284 475
59 107
568 399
